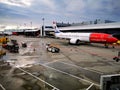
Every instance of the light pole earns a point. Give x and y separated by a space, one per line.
43 31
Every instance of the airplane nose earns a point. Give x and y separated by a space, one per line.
112 40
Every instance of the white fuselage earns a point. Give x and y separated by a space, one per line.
81 36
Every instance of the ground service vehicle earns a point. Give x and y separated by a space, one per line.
117 58
24 45
52 48
118 42
12 46
4 39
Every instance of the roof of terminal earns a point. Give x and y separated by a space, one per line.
93 26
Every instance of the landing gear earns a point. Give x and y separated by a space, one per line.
78 42
106 45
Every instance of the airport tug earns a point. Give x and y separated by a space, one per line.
12 46
117 58
52 48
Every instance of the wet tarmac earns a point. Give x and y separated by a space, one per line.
74 68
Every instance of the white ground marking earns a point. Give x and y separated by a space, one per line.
69 74
54 88
73 66
82 68
51 62
2 87
90 86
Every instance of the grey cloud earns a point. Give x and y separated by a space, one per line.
22 3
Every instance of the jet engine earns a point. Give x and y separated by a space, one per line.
74 41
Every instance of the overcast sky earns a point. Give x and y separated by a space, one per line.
26 11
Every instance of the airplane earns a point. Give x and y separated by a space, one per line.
77 38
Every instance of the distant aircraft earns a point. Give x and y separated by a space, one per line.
77 38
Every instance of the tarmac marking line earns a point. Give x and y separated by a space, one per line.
54 88
2 87
73 65
90 86
82 68
70 74
51 62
